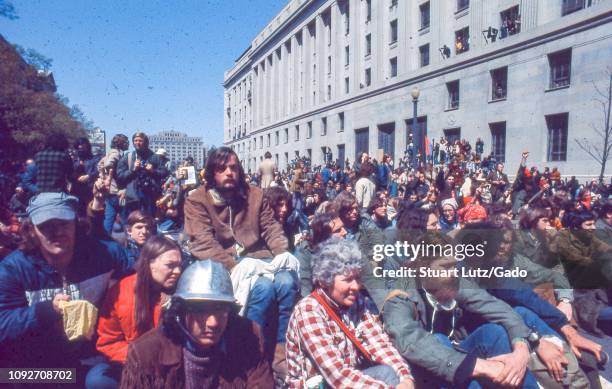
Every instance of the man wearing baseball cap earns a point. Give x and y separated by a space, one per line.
56 262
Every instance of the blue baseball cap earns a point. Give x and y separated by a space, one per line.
52 205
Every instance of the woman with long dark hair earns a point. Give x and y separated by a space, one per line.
133 307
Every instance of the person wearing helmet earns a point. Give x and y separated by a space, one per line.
202 341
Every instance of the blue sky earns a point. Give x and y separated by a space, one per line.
148 65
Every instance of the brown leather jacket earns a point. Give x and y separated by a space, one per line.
215 227
156 361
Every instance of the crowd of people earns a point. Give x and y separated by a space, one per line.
122 268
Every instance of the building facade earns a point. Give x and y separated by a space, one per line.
337 75
179 146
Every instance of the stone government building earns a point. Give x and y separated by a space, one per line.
336 76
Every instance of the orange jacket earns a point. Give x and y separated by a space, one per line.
117 322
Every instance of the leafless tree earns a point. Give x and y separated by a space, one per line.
599 147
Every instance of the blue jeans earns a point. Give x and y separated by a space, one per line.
103 376
487 341
265 293
605 320
383 373
534 322
111 209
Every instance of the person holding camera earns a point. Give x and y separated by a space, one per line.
141 173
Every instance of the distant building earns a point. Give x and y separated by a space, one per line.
97 138
179 146
336 76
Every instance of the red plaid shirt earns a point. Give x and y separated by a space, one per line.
326 350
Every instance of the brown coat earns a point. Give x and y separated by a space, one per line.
156 362
214 236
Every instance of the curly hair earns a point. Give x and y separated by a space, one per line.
120 142
335 257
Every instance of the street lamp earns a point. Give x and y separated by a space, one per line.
416 132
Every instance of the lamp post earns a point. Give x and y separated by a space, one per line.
416 132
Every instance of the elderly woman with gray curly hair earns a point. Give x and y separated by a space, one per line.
334 336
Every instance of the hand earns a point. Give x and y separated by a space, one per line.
553 357
83 178
57 299
566 308
148 167
515 365
19 190
578 342
137 164
405 384
99 189
487 368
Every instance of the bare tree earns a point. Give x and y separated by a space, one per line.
599 147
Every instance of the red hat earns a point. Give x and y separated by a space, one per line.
475 213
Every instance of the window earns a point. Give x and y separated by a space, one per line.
254 143
560 68
462 4
498 141
499 83
329 64
393 32
269 139
424 55
261 142
341 122
286 137
346 85
347 58
462 40
453 94
571 6
368 5
347 19
368 77
393 3
393 67
309 154
452 134
309 130
368 45
557 137
329 92
424 10
362 142
510 22
328 30
276 138
386 138
297 133
323 126
341 155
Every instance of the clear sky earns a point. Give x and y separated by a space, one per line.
148 65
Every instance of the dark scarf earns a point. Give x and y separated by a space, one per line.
201 369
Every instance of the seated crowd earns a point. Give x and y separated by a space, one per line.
137 280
